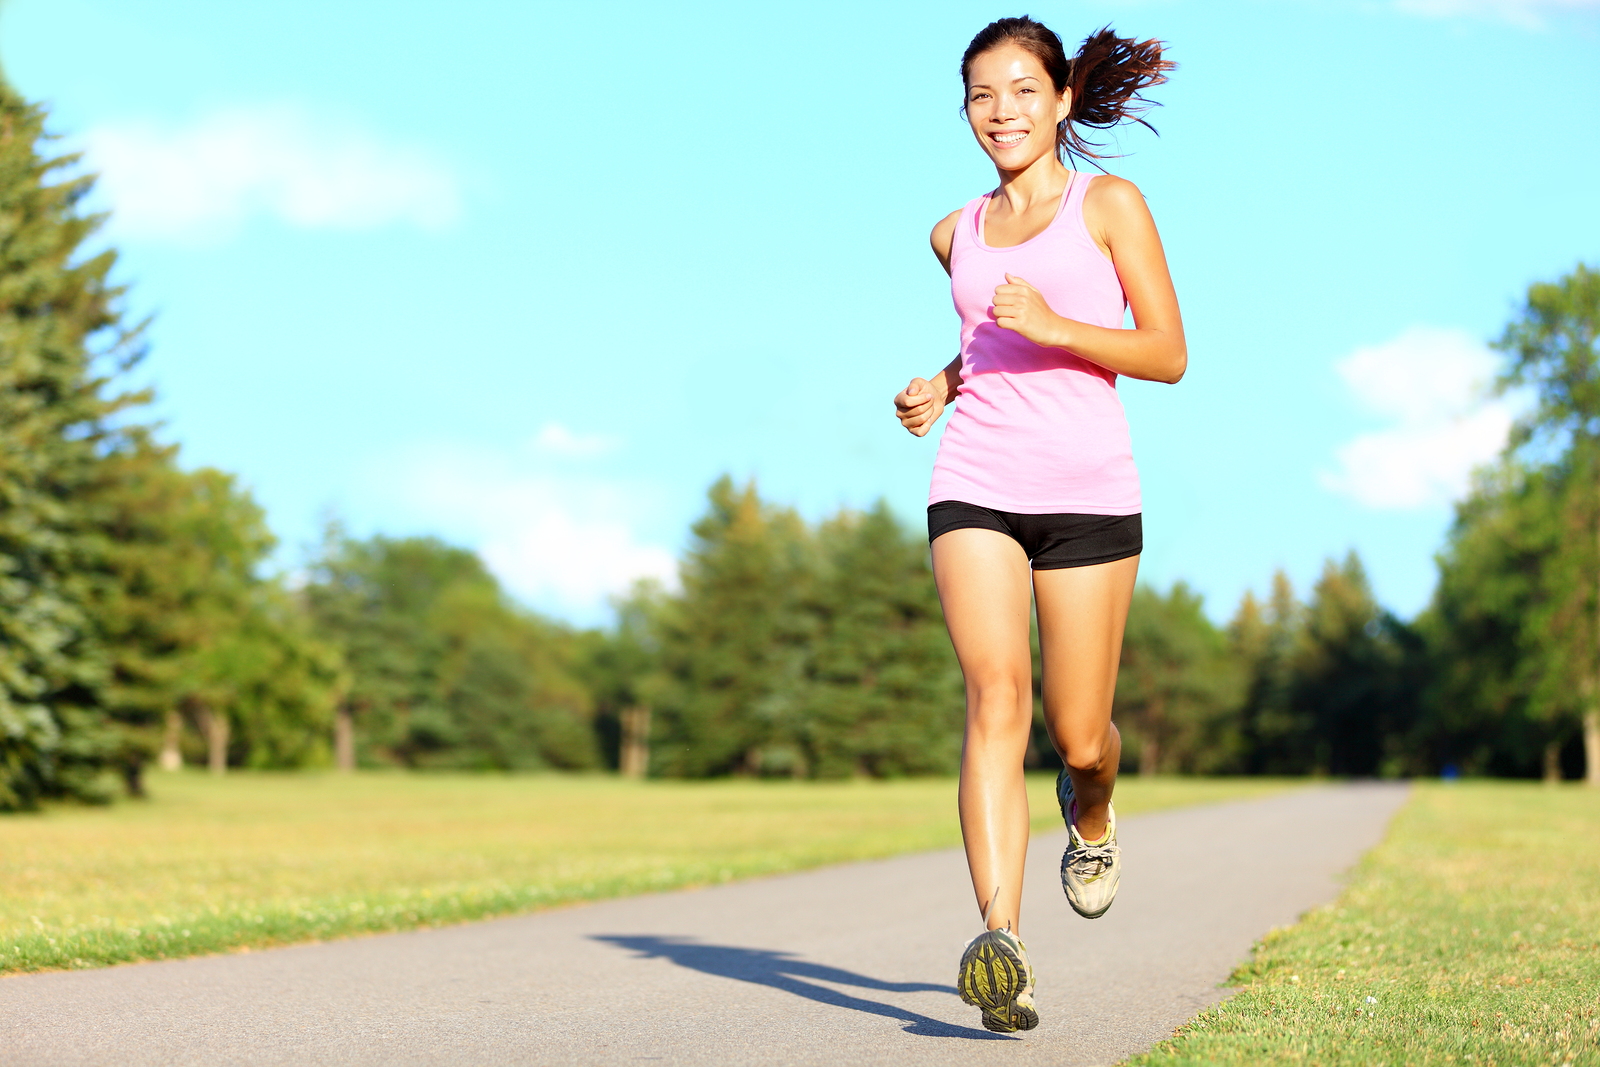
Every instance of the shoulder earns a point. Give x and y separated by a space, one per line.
944 231
1110 193
1114 207
944 235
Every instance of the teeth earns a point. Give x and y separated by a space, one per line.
1010 138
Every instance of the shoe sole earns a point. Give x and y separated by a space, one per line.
990 978
1021 1017
1091 914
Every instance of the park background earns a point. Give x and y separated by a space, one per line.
456 317
444 392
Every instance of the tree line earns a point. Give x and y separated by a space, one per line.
1498 675
139 625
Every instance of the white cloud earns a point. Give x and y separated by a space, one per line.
562 543
200 180
1434 385
1529 14
557 440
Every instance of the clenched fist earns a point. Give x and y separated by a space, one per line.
1020 307
918 406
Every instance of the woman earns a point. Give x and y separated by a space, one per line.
1035 470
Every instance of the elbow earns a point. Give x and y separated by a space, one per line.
1177 366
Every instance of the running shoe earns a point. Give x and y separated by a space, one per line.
1090 871
996 977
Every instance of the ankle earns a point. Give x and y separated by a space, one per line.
1092 825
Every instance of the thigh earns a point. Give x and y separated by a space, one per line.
1082 611
983 588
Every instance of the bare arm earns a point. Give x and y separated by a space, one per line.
1154 349
919 405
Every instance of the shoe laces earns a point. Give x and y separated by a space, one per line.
1088 861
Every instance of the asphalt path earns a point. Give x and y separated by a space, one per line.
846 965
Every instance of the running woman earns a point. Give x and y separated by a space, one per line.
1035 485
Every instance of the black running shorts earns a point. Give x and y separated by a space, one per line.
1051 541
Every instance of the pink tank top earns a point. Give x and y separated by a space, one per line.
1036 430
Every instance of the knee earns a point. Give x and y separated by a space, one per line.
1086 758
999 689
999 702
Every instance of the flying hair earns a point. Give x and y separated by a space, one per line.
1107 77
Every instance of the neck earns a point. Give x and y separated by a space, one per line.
1043 179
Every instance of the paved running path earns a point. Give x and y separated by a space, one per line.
842 966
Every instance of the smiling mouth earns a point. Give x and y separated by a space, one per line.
1009 139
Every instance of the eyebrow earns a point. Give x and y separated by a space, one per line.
1024 78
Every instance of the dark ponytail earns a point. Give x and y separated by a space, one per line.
1107 76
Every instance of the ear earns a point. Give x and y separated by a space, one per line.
1064 106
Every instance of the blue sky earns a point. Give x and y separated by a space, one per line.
530 276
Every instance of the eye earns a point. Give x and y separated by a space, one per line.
1025 89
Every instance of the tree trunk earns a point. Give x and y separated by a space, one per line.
1149 747
634 758
344 738
1149 755
1591 715
215 727
1591 747
1552 762
171 755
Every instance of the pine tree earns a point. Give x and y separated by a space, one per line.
1348 677
61 334
885 697
175 583
1276 734
1179 686
128 587
798 651
734 643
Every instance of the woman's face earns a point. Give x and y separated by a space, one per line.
1013 107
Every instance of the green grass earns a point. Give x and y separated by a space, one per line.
215 865
1474 929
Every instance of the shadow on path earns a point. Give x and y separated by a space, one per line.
780 970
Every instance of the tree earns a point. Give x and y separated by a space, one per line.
803 652
443 670
1276 734
1349 677
1553 352
263 690
620 668
178 603
61 333
1179 686
508 683
1504 692
734 643
885 695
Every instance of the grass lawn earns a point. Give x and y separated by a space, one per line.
1470 936
225 864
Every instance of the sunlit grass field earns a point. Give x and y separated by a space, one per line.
224 864
1470 936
